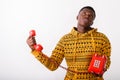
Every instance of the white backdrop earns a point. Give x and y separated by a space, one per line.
51 19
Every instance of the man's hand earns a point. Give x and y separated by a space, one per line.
31 42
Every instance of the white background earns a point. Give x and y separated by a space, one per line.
51 19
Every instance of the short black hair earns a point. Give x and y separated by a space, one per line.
88 7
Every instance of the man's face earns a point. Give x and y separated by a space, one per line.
85 17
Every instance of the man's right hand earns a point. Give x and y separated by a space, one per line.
31 42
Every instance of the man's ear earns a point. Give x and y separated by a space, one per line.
77 17
91 23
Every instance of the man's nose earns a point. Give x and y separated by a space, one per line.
87 15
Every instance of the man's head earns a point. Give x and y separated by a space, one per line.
88 7
86 16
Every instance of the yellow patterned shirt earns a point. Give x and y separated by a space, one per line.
77 49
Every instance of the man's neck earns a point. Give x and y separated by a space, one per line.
82 29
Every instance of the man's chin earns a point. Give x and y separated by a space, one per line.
85 25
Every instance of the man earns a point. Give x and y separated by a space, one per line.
77 47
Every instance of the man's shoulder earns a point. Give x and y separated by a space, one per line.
66 37
101 35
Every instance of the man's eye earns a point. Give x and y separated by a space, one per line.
84 13
91 16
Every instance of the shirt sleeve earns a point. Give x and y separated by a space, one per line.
54 60
106 50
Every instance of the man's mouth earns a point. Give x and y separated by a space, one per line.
86 20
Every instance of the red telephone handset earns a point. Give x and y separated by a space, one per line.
37 47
